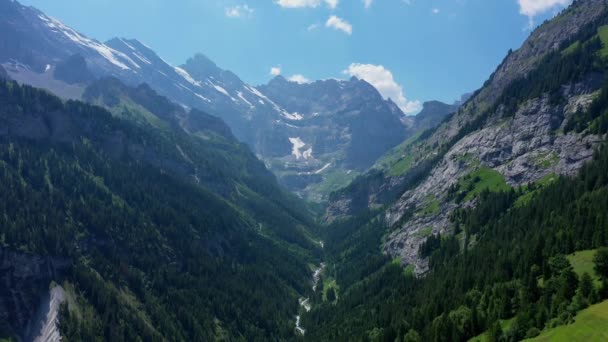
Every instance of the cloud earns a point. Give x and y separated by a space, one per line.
298 78
313 27
532 8
275 71
339 24
306 3
382 79
368 3
239 11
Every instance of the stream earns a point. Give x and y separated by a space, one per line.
305 302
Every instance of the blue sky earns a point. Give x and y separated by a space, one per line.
413 50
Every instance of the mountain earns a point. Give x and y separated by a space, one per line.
151 232
338 129
433 113
316 137
479 222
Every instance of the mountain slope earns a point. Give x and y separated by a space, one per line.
160 234
484 205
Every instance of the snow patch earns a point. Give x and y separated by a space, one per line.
218 88
185 75
47 68
202 97
292 116
142 58
240 95
297 146
319 171
105 51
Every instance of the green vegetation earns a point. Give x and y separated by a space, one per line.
505 325
582 262
529 191
162 228
409 270
431 206
397 155
333 180
602 32
426 232
331 290
400 167
572 48
471 185
590 324
546 160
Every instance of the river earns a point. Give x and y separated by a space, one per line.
305 302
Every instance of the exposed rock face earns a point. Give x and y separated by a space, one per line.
45 325
523 149
73 70
22 279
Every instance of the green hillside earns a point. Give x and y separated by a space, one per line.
167 236
590 324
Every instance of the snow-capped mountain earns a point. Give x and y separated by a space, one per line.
304 132
35 44
346 116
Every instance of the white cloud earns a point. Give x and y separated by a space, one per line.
306 3
339 24
382 79
313 27
275 71
239 11
332 3
298 78
368 3
532 8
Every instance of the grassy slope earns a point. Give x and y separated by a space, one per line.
603 34
397 161
480 180
505 325
582 262
591 325
333 180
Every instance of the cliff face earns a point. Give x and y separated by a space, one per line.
515 139
523 149
23 278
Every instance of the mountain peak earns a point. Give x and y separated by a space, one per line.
201 64
278 80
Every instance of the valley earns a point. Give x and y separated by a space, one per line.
145 201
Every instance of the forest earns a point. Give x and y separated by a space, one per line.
153 257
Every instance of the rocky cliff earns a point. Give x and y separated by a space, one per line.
24 280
